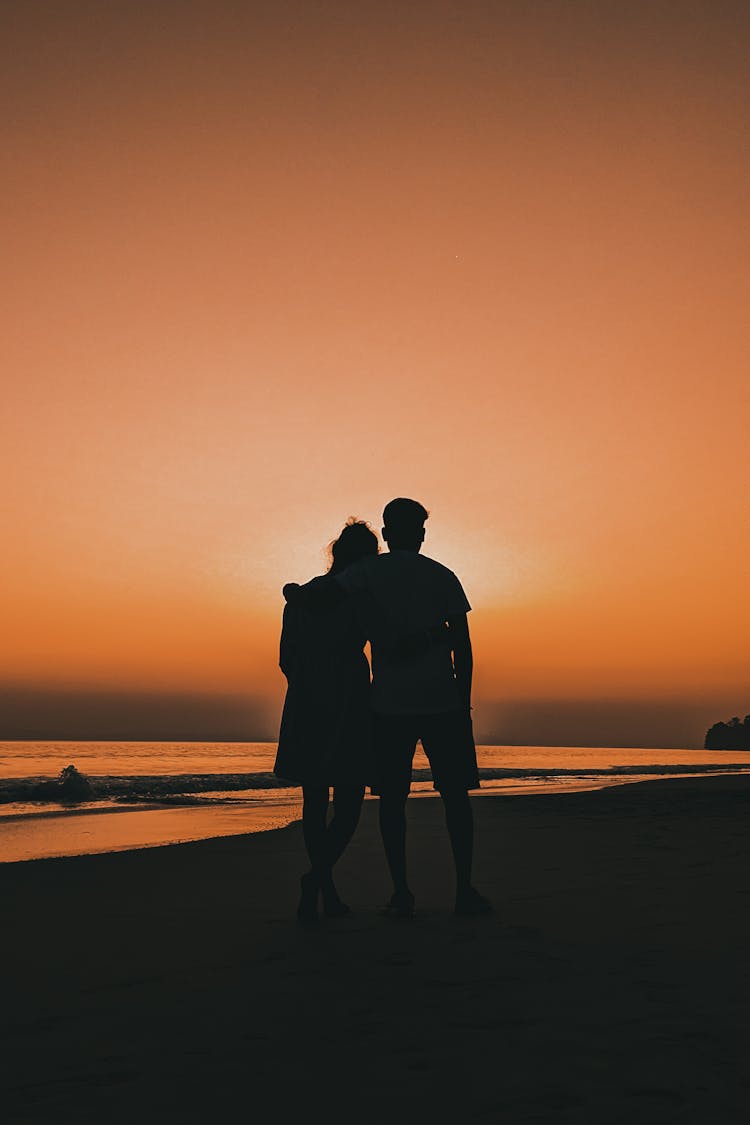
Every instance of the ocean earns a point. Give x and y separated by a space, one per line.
146 794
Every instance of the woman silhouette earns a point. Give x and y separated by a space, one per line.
326 728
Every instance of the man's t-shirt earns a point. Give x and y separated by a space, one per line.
409 592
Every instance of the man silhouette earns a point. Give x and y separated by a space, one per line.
420 692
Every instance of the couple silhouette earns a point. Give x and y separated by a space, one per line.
343 730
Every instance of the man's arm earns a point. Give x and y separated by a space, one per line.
323 592
463 661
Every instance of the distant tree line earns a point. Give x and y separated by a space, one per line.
734 735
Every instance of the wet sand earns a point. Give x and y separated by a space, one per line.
613 984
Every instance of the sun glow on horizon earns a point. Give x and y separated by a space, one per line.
269 272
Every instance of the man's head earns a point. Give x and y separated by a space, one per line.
403 524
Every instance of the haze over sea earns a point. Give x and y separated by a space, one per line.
150 793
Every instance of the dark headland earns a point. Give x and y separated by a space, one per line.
732 735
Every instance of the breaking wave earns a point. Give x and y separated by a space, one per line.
154 787
186 788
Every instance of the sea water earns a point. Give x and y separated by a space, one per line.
145 794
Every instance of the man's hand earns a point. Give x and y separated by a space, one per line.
289 591
463 663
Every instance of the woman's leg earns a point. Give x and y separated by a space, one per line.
347 805
314 812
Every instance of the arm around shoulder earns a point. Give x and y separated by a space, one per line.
323 592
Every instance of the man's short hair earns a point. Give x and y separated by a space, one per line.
404 516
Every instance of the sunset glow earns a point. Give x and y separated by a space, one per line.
268 266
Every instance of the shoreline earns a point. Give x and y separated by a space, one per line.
196 821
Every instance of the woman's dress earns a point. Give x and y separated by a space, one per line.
326 725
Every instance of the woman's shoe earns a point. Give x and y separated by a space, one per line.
470 904
307 910
401 905
333 906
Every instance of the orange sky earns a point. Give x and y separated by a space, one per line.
268 266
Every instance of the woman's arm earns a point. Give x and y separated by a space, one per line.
289 646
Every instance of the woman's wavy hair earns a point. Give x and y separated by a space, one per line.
356 541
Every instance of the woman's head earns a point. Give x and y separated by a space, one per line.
356 541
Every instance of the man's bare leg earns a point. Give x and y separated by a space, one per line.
459 819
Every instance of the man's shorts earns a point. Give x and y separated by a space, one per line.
448 741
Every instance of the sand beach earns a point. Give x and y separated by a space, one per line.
612 985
